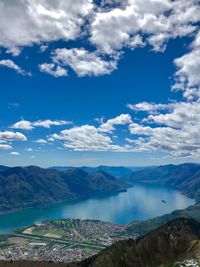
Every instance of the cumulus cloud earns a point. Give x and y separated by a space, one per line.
27 125
7 137
150 107
23 124
83 62
160 20
187 74
133 23
12 136
5 146
41 141
175 131
91 138
49 123
87 138
52 69
41 21
109 126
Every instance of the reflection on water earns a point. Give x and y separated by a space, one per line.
138 203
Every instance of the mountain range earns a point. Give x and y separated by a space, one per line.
184 177
116 171
22 187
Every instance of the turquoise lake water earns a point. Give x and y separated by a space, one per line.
138 203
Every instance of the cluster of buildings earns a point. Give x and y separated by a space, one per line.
103 233
43 251
62 240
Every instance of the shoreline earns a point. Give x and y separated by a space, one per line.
97 195
55 211
67 201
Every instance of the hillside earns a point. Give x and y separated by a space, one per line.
176 241
185 177
23 187
143 227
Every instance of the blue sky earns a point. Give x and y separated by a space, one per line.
93 94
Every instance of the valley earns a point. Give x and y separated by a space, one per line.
139 202
68 240
132 205
63 240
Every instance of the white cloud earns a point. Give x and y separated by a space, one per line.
49 123
15 51
5 146
43 48
91 138
41 21
12 65
85 63
23 124
187 75
150 107
15 153
136 41
160 20
108 127
41 141
12 136
7 137
184 114
175 131
52 69
87 138
27 125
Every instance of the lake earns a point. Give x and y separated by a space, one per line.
138 203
